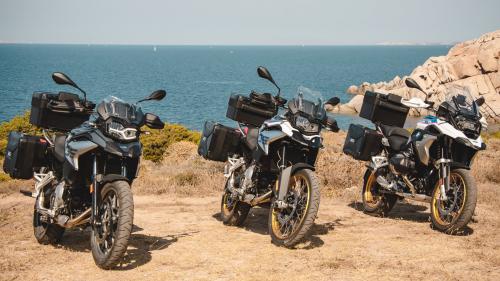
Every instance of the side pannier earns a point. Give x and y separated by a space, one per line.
24 155
362 143
218 141
60 112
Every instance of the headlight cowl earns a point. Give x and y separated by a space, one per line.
307 127
120 132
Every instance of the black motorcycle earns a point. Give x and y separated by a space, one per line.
83 166
270 159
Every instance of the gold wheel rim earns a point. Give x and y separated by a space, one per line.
276 226
370 200
437 194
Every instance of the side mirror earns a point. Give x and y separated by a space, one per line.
480 101
153 121
62 79
410 83
156 95
264 73
333 101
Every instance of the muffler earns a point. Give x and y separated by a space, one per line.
416 197
65 222
254 201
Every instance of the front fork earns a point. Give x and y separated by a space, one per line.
283 180
95 190
444 165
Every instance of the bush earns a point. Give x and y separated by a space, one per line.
18 123
155 144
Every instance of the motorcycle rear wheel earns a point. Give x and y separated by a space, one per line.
375 203
233 212
46 233
109 240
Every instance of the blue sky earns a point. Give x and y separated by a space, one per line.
255 22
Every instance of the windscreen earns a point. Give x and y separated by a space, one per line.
460 98
309 102
119 109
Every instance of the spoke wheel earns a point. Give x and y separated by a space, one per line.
233 212
456 211
289 225
374 202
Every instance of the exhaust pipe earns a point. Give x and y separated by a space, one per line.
416 197
65 222
261 199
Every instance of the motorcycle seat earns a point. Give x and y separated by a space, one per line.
251 137
59 143
397 136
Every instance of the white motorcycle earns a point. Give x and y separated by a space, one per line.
271 159
432 164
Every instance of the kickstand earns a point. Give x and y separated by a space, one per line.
26 193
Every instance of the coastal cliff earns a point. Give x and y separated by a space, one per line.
474 63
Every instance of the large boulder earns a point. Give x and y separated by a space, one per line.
488 56
353 89
473 63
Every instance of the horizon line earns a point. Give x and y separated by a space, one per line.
382 44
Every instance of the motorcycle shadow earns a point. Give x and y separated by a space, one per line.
257 222
402 211
412 212
139 248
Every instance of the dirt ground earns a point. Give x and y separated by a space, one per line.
177 238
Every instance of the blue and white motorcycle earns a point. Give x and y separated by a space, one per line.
432 164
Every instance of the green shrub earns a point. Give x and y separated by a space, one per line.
156 143
19 123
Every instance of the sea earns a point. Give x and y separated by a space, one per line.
198 79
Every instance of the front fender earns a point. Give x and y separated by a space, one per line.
285 176
102 180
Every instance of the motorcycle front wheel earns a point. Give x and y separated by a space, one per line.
288 226
456 211
110 235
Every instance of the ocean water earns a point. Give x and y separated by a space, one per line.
198 79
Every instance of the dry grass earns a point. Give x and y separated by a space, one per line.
486 167
182 172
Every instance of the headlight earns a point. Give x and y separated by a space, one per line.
472 129
118 131
305 126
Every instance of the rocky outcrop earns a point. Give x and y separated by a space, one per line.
474 63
